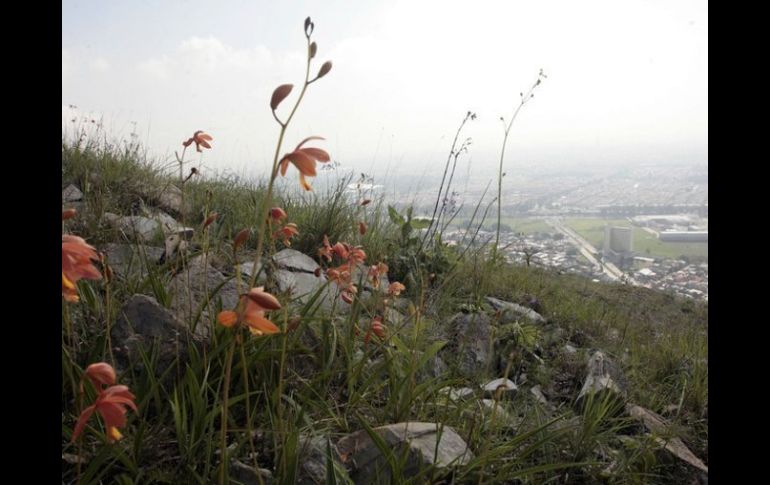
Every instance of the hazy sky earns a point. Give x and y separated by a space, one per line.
627 80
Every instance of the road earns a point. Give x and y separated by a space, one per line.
587 250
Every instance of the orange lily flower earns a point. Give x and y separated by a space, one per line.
77 258
377 328
286 233
68 214
110 403
326 251
395 288
241 237
251 311
200 139
305 161
278 214
376 271
210 219
101 374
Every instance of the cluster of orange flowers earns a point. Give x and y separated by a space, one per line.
286 232
110 403
77 262
342 275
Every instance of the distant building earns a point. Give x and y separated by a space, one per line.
684 236
618 245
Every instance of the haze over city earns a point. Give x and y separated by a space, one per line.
627 82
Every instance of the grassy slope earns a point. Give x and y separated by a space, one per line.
175 434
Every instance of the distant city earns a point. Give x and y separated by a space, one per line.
643 225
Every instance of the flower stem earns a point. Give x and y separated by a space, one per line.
223 443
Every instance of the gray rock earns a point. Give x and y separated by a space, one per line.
200 288
458 393
539 396
303 286
569 349
246 272
143 228
313 455
502 416
507 386
71 194
469 346
658 426
248 475
141 323
170 199
603 374
511 312
293 260
131 259
426 444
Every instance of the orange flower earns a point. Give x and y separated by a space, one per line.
200 139
362 228
377 328
241 237
210 219
376 271
305 161
68 214
111 405
395 288
326 251
277 214
286 233
251 311
77 258
101 374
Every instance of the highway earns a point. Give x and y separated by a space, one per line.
587 250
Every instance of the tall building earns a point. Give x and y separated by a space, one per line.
618 245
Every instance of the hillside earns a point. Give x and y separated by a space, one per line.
477 372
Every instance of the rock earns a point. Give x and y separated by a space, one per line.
603 374
511 312
421 442
469 348
535 390
458 393
170 199
248 475
141 323
200 288
507 386
313 457
303 286
501 415
657 425
246 272
71 194
294 260
143 228
131 259
569 349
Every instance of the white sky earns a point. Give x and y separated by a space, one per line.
627 80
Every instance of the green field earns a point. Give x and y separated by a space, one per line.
527 225
645 244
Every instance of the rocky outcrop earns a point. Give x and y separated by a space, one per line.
426 445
